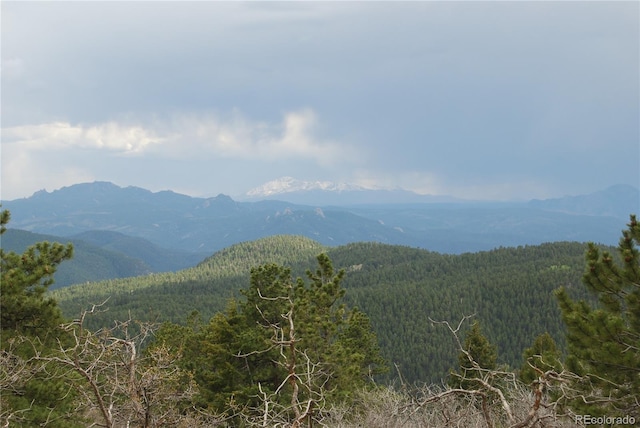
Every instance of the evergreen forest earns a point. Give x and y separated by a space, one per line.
284 331
401 289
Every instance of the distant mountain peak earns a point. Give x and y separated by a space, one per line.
100 186
332 193
289 184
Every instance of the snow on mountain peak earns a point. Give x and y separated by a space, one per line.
290 184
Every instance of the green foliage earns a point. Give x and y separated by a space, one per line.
509 289
282 326
604 339
541 357
171 296
25 308
362 357
30 321
41 401
479 348
25 278
478 354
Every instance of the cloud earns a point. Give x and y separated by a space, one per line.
466 95
109 136
188 136
203 140
297 139
25 172
236 137
422 182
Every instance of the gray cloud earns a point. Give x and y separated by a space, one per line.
434 95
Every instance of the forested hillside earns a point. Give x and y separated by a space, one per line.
158 259
101 255
90 262
508 290
171 296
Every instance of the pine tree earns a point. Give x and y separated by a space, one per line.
25 279
604 342
30 325
483 353
544 355
289 346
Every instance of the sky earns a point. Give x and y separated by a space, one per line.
478 100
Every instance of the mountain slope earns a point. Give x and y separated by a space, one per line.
100 255
157 258
509 290
89 262
205 287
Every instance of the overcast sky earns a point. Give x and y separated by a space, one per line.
482 100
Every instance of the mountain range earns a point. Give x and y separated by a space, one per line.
174 221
